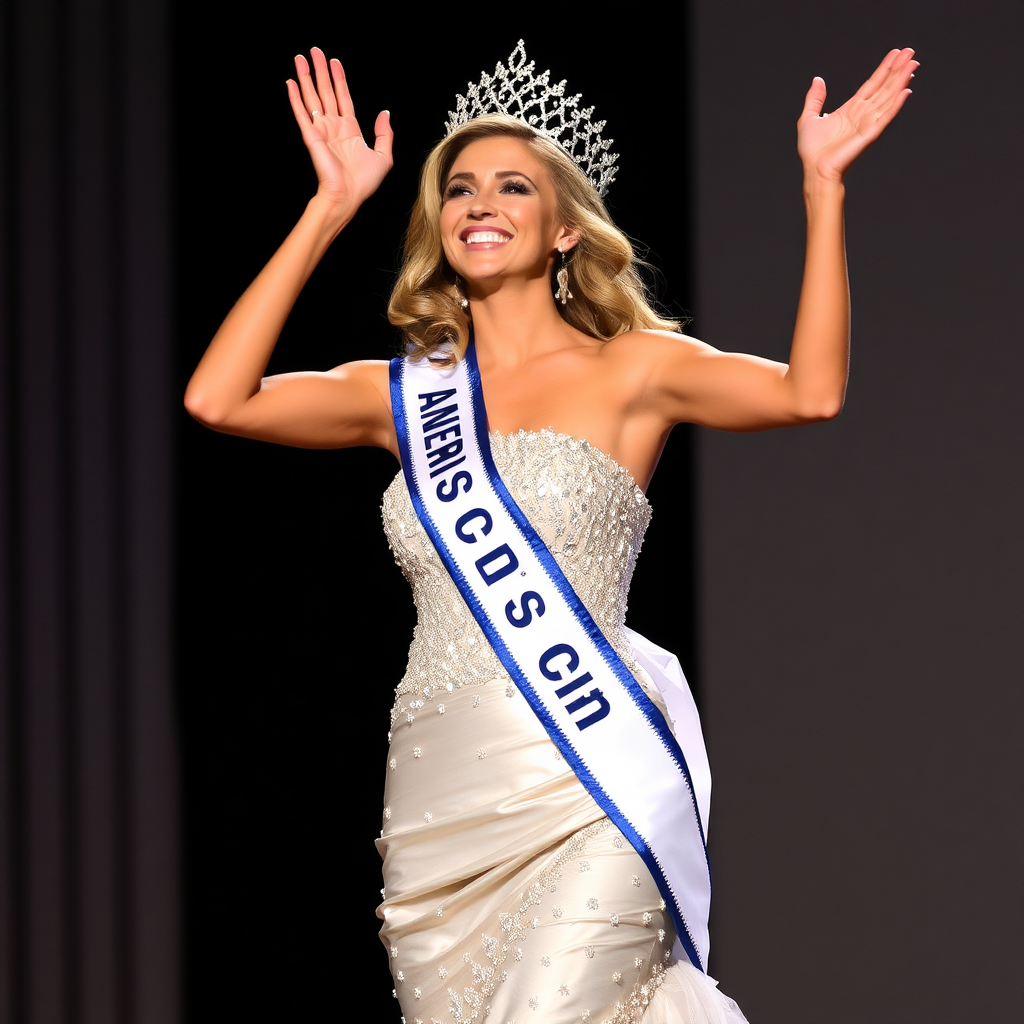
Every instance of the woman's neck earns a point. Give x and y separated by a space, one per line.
510 329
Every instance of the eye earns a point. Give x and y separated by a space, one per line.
514 187
456 189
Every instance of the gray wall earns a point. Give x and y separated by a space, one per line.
859 590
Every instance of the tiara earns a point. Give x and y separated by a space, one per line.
516 90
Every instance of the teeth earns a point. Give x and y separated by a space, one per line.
485 236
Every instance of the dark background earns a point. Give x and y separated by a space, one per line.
201 634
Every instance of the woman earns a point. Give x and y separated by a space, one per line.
518 875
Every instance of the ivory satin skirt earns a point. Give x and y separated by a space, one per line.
508 893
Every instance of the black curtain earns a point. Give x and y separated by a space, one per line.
88 781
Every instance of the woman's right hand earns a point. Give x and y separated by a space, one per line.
347 169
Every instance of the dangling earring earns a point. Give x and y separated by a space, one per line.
562 277
463 301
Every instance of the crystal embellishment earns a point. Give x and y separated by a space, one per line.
517 90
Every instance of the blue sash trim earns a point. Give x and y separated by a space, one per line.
653 716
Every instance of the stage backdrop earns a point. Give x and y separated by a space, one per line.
860 581
844 596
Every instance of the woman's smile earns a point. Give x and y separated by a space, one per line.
483 238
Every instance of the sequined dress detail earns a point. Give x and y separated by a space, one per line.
509 896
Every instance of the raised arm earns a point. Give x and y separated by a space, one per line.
694 382
342 407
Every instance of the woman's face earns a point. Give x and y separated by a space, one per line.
499 213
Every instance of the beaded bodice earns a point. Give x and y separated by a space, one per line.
587 510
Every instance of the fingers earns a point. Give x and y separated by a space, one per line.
298 105
890 85
892 75
344 98
901 71
384 137
815 98
878 76
324 89
884 114
307 92
328 94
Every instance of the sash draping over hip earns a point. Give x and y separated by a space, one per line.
606 727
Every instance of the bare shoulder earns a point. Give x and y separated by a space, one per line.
641 355
368 371
653 346
363 375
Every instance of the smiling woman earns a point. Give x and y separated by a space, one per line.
547 791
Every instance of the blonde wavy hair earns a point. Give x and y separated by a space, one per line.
609 294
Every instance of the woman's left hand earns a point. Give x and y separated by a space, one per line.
828 144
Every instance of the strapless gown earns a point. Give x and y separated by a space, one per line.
508 894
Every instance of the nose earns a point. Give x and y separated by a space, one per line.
481 207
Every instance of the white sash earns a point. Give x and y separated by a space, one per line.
606 727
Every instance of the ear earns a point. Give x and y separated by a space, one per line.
567 239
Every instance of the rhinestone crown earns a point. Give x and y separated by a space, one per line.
518 91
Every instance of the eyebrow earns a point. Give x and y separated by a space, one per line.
470 176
